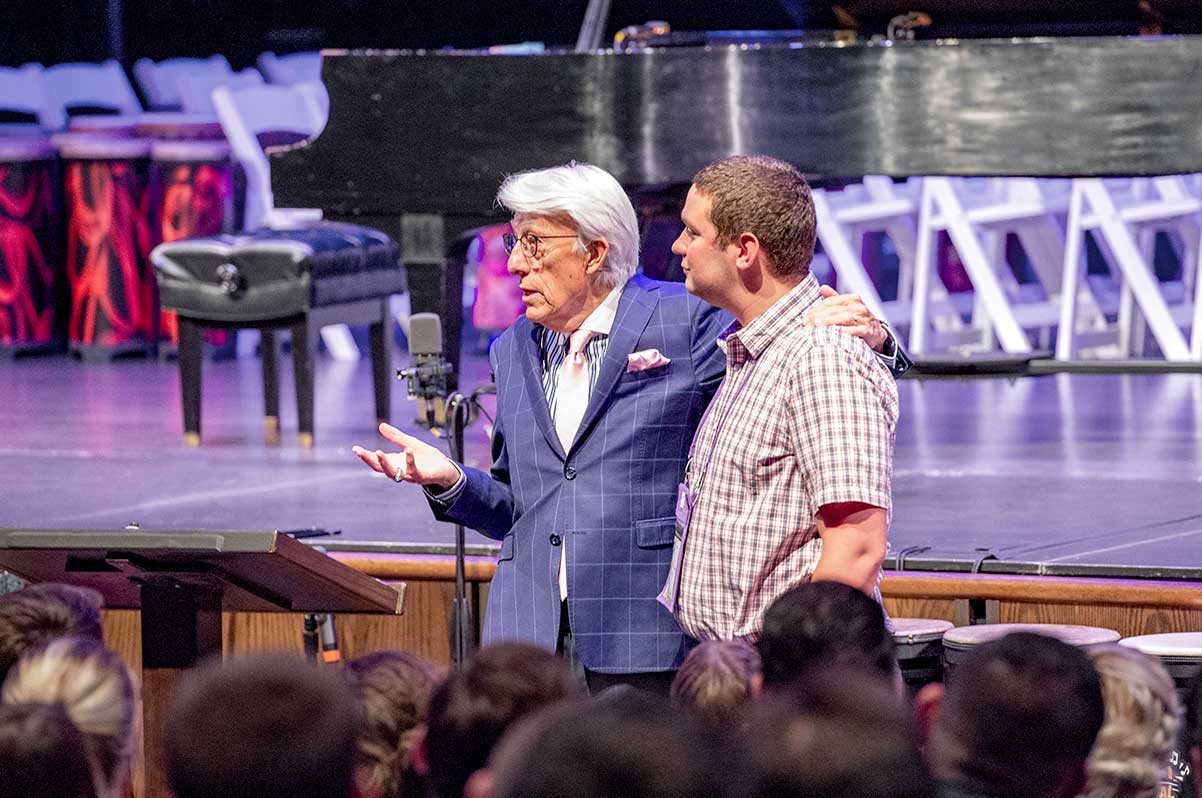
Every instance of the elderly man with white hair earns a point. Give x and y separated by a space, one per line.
600 387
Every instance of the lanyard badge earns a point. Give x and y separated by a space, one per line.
686 500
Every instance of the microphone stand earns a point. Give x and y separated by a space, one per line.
463 638
463 630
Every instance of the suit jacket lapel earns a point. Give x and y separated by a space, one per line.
532 376
634 311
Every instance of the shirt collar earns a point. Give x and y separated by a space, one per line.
601 320
750 341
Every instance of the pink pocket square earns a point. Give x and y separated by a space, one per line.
647 359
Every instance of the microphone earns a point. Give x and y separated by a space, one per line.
426 378
329 638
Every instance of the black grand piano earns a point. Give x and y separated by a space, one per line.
417 142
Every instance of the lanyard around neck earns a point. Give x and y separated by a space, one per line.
745 378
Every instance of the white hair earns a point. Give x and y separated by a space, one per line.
592 199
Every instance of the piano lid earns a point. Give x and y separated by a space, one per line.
436 132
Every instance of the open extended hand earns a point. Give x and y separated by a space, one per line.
849 312
416 462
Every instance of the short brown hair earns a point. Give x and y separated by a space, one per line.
294 725
472 708
715 680
768 198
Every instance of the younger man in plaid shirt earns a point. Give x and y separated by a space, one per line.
789 475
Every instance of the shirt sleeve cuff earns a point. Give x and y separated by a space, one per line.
447 497
888 353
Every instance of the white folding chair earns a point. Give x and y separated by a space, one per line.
104 85
247 112
844 217
978 215
1125 217
23 90
159 80
291 68
196 91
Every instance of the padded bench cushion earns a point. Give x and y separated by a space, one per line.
273 274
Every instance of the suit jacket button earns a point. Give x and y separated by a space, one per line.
555 539
569 472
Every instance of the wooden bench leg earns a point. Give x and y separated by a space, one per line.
381 365
271 387
189 378
302 368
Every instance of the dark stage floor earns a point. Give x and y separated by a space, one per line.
1065 473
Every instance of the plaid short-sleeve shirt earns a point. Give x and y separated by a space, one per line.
808 418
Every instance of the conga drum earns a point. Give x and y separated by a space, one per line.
919 648
958 642
178 126
33 279
114 301
111 125
194 196
1179 652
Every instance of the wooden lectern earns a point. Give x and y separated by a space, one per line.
182 581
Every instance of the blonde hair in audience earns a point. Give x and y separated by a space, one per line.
393 691
1142 717
94 686
717 679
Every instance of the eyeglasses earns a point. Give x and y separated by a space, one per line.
531 243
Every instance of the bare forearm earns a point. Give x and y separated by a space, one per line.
858 569
853 545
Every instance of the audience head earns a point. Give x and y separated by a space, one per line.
842 733
42 754
1191 732
588 200
1019 716
629 747
717 679
820 624
33 616
94 687
1142 714
472 708
261 727
393 690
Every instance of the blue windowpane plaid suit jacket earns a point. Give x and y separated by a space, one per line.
610 498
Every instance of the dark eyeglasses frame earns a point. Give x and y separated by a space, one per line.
529 241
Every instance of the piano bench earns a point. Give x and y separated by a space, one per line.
299 280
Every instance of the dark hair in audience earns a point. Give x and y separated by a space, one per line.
716 680
261 727
33 616
631 747
393 690
1191 732
1191 720
824 623
843 733
471 710
42 755
1020 715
